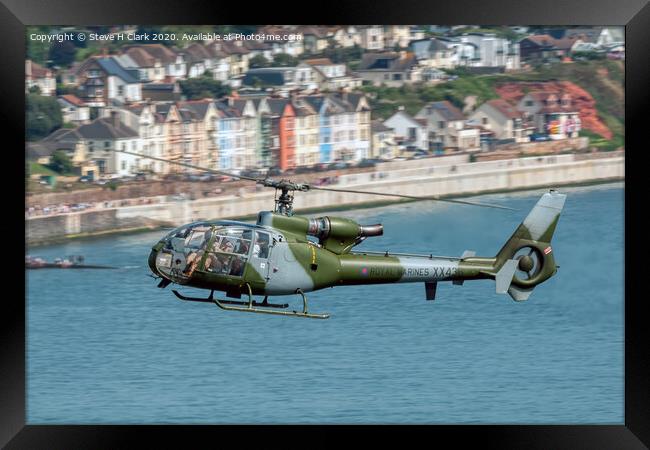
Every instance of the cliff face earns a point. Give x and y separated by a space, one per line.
584 102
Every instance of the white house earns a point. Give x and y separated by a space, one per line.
447 127
73 109
408 130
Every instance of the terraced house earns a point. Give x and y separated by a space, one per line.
150 127
306 133
236 128
203 140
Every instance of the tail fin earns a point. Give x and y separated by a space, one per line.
530 247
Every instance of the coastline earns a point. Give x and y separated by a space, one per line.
61 239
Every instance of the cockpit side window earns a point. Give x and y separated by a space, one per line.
229 251
261 246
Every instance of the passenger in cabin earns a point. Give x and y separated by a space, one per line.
237 267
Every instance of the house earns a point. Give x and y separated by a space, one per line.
198 59
150 67
392 69
150 126
447 127
103 81
174 63
306 132
397 36
350 125
434 53
551 112
281 78
235 128
383 141
65 139
315 39
544 47
611 36
493 51
105 135
205 114
219 62
280 117
346 36
73 109
503 119
161 91
330 76
372 37
408 131
37 76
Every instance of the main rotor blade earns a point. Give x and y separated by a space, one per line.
414 197
192 166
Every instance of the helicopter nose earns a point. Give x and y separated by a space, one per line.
152 260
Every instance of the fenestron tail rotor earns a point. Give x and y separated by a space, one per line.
284 202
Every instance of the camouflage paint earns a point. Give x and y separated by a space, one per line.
297 263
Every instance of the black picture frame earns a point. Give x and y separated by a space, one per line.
633 14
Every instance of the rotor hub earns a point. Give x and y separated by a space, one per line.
526 263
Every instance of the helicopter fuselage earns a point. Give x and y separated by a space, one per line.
225 255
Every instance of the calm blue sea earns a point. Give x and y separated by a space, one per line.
108 347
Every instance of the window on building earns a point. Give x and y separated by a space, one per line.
441 124
528 103
107 144
412 133
484 120
123 165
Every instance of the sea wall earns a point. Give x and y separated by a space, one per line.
425 180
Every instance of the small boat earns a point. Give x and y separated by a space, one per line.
61 263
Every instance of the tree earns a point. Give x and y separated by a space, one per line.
285 60
61 162
202 87
62 53
258 61
43 116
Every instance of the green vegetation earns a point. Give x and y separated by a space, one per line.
61 163
43 116
203 87
285 60
35 168
258 61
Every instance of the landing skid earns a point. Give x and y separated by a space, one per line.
255 307
211 299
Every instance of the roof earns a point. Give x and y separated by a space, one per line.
319 62
387 61
37 71
377 126
141 57
545 40
446 110
277 105
112 67
197 52
73 100
505 108
104 128
198 107
159 51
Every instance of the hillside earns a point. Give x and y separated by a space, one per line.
598 83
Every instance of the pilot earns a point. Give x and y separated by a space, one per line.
227 246
261 247
192 261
